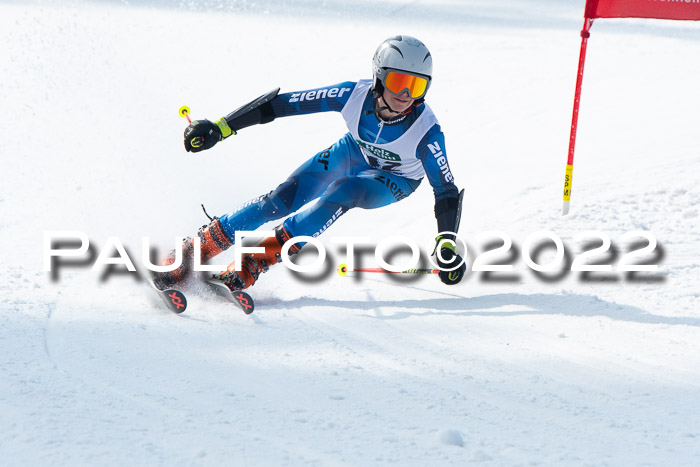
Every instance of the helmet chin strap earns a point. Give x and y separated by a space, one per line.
376 110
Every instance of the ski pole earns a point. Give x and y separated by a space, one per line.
343 270
185 113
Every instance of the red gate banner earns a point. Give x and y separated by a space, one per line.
661 9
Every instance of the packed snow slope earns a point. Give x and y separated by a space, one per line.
506 368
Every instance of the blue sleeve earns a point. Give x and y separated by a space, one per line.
431 151
326 99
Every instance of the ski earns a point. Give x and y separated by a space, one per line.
240 298
174 299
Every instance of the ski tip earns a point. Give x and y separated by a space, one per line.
244 301
175 300
241 299
343 270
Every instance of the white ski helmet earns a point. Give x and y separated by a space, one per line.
402 54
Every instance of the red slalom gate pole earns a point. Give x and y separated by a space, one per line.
585 34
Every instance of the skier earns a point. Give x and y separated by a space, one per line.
394 140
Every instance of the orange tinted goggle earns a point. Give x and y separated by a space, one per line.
396 82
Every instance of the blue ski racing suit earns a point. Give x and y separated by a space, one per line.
373 165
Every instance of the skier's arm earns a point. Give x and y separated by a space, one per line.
431 151
326 99
203 134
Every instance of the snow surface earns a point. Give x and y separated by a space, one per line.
503 369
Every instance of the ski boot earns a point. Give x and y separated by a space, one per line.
213 241
252 265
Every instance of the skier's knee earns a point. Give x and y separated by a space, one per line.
346 191
278 202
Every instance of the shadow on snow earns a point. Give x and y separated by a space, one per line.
536 304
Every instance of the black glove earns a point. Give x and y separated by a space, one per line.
449 260
201 135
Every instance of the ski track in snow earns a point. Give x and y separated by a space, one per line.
517 369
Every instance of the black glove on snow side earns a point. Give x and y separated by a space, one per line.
449 260
201 135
